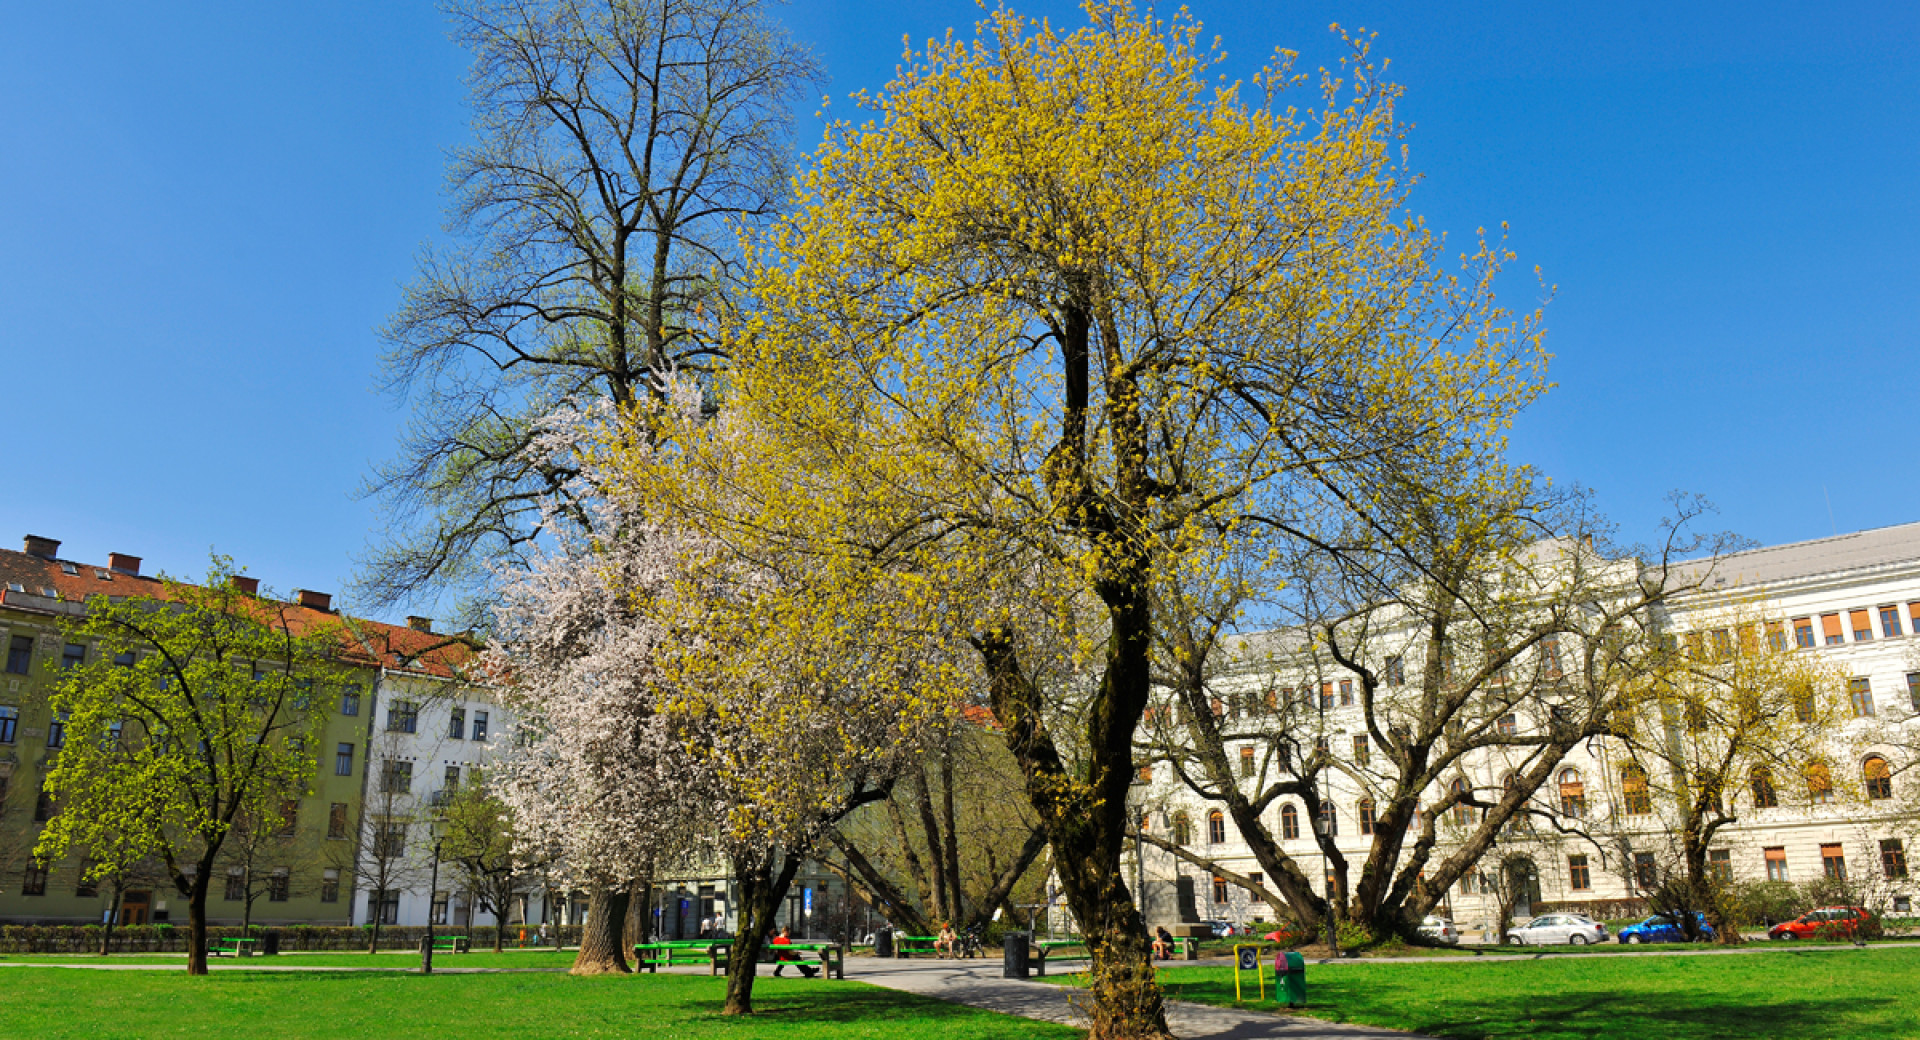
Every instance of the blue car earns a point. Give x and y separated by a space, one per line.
1662 929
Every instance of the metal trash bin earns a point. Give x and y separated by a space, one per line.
1290 978
883 943
1014 947
270 944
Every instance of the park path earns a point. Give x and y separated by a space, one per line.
979 984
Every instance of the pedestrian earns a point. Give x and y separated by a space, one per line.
781 959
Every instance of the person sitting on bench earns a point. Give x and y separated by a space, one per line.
944 944
781 959
1162 943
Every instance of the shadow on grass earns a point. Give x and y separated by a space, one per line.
1674 1016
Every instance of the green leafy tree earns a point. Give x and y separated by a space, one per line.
196 709
477 837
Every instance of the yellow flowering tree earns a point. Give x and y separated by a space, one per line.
1066 323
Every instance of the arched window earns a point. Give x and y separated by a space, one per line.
1573 794
1289 822
1462 812
1182 829
1365 812
1216 828
1633 785
1819 783
1879 778
1761 780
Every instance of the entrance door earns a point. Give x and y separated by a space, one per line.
135 907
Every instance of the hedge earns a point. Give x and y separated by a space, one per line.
167 938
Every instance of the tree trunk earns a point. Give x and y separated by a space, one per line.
916 874
113 912
762 884
1005 880
930 826
373 918
958 902
600 935
197 925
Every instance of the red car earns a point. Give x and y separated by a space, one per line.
1839 922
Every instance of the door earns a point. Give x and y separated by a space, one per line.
135 907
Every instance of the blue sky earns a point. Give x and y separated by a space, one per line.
206 209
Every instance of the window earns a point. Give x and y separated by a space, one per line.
1508 725
1573 794
403 717
391 841
57 731
279 886
1646 873
19 654
34 881
1860 692
1577 877
437 914
289 818
451 781
330 885
1216 828
1777 636
1219 889
1830 627
1182 829
1861 621
1365 810
1802 694
1764 796
1550 657
1246 761
9 719
1879 778
1913 618
1893 858
1776 864
1913 689
350 700
236 884
1462 812
1722 644
1819 783
1890 621
1396 671
1720 864
479 725
337 820
1289 823
457 724
1346 693
73 656
1803 633
1360 749
43 805
343 760
396 777
84 886
1329 820
387 904
1326 695
1833 860
1633 785
1145 774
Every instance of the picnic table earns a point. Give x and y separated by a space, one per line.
231 947
1044 947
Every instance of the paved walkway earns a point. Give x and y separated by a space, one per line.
979 984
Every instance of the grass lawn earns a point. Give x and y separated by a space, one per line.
60 1004
1830 992
388 960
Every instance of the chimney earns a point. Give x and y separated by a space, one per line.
250 586
420 624
121 563
321 601
45 548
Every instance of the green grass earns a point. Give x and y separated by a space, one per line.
387 960
60 1004
1831 992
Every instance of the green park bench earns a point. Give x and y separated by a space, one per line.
652 956
832 958
452 944
907 945
1043 948
231 947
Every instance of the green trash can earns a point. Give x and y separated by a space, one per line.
1290 978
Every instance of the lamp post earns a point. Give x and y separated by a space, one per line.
433 889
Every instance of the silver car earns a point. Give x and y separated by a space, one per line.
1439 929
1554 929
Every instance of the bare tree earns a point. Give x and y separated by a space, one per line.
384 856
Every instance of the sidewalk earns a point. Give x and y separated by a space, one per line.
979 984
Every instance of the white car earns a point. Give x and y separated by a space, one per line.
1553 929
1440 929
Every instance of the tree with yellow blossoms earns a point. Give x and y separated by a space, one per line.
1065 322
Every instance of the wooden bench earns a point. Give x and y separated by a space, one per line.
650 956
832 958
1044 949
906 945
231 947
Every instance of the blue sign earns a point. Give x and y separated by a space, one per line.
806 899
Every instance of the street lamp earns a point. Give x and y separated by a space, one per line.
433 891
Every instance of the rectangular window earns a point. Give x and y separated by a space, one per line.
1720 864
84 886
1346 693
9 719
479 725
1803 633
1777 864
1830 627
43 805
1776 636
396 777
19 654
330 885
1889 621
34 881
1577 876
343 760
57 731
457 724
289 818
438 912
1246 762
451 782
1646 873
1833 860
1508 725
391 842
1219 889
350 700
1366 816
236 884
73 656
1360 750
1862 623
1913 690
279 886
1913 618
1860 692
1893 858
403 717
389 903
337 820
1329 820
1396 671
1326 695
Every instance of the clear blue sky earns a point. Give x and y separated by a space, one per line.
206 209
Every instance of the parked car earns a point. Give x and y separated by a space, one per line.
1553 929
1221 929
1661 928
1440 929
1829 922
